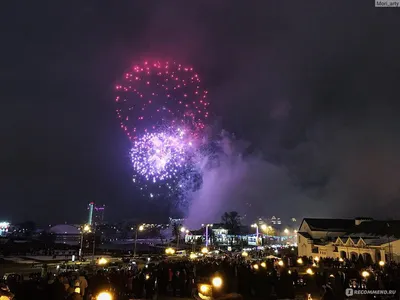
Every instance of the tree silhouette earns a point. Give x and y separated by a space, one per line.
176 231
270 231
232 223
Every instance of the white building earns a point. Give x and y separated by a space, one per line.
347 238
66 234
275 221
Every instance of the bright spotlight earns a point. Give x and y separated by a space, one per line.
217 282
104 296
365 274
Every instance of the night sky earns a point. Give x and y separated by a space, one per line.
311 88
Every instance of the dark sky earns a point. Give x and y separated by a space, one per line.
314 87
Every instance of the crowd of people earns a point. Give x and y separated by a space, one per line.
252 278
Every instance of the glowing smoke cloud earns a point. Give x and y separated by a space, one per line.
247 183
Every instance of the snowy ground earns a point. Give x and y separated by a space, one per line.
38 259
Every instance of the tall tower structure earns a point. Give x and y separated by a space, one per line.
90 208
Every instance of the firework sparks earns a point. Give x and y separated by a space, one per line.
163 110
155 94
161 155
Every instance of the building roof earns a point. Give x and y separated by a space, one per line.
306 235
335 225
218 226
197 232
64 229
377 228
372 232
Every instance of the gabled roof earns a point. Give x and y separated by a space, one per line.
334 225
339 241
369 239
349 242
361 242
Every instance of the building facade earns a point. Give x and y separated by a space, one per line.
372 240
246 235
98 214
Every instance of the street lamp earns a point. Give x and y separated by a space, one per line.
286 231
85 228
138 228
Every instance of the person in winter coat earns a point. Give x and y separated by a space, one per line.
328 292
83 284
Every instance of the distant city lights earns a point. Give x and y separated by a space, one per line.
4 226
